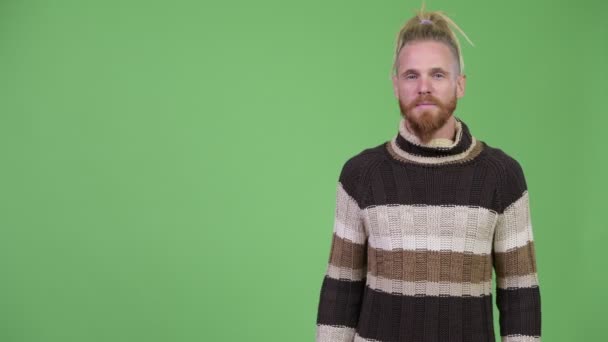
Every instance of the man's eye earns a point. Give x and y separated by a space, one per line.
438 75
410 77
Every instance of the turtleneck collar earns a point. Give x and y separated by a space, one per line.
407 148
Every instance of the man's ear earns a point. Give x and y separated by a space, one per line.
461 82
395 85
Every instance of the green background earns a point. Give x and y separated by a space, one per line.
169 168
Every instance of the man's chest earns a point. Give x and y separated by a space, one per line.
431 209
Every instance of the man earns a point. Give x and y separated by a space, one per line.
423 219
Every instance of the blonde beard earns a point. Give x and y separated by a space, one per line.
428 123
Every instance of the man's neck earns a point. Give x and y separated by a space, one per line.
447 131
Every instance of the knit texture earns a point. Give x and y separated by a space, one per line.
418 231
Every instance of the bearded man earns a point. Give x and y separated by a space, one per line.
423 219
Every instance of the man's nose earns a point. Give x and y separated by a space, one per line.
424 86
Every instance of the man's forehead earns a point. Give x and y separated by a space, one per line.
425 56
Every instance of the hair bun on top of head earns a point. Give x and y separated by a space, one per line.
429 25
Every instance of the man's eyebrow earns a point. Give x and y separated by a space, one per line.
432 71
410 71
438 69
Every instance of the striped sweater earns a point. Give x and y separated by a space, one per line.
418 231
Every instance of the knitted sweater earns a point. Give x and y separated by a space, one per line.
418 231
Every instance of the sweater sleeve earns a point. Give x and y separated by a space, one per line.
344 279
514 260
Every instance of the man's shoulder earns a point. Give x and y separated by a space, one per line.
511 178
357 167
366 158
502 160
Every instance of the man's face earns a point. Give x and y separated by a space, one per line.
427 86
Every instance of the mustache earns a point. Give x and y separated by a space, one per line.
426 99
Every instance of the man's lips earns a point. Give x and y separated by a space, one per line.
425 104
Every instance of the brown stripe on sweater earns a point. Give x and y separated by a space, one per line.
435 266
517 262
345 253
